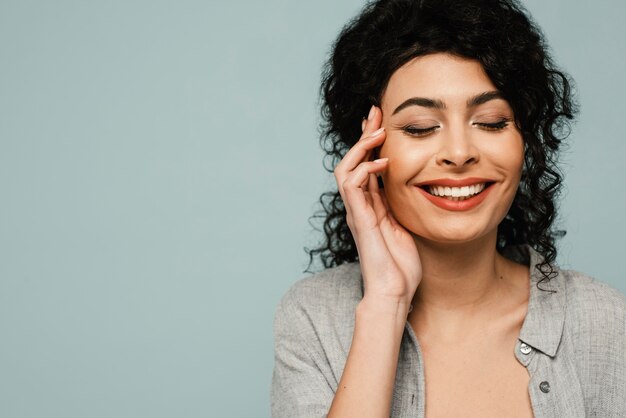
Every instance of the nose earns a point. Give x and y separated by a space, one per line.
457 149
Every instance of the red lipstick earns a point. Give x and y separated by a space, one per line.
456 205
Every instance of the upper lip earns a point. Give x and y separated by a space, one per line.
455 182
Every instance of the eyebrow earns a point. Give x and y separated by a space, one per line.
439 105
484 98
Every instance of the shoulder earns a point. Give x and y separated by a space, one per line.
593 306
595 334
329 289
590 295
319 311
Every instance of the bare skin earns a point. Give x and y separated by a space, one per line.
460 380
466 298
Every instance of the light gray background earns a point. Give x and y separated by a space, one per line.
158 164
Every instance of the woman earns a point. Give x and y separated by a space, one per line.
441 297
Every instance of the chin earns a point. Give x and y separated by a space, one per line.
451 235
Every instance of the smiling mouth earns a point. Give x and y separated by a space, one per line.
456 193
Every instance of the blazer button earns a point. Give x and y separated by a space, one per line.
525 348
544 386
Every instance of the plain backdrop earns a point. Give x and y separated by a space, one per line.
159 161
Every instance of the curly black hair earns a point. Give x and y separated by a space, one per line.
500 35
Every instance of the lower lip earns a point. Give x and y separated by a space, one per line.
456 205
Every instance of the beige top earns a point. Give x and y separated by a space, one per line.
572 341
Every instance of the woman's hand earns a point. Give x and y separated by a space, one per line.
389 260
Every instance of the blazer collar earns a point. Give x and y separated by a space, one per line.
543 326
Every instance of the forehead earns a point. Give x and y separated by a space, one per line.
439 76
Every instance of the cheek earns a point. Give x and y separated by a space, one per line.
515 158
507 155
406 162
406 159
389 148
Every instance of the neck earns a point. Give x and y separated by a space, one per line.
460 278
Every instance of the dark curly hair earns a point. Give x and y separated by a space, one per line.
511 48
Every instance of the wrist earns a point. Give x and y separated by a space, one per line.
385 306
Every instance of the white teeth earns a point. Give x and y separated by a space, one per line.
456 193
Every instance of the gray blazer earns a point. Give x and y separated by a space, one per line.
573 343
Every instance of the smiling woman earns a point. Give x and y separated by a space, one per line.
441 296
448 129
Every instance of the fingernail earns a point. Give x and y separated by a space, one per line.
371 114
381 160
377 132
363 125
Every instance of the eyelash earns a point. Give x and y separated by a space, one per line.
497 126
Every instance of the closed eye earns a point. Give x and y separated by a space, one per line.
497 126
415 131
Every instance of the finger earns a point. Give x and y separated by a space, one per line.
392 219
354 189
362 151
368 155
370 127
359 177
377 203
373 121
368 198
358 154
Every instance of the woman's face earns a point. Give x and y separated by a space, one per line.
455 155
